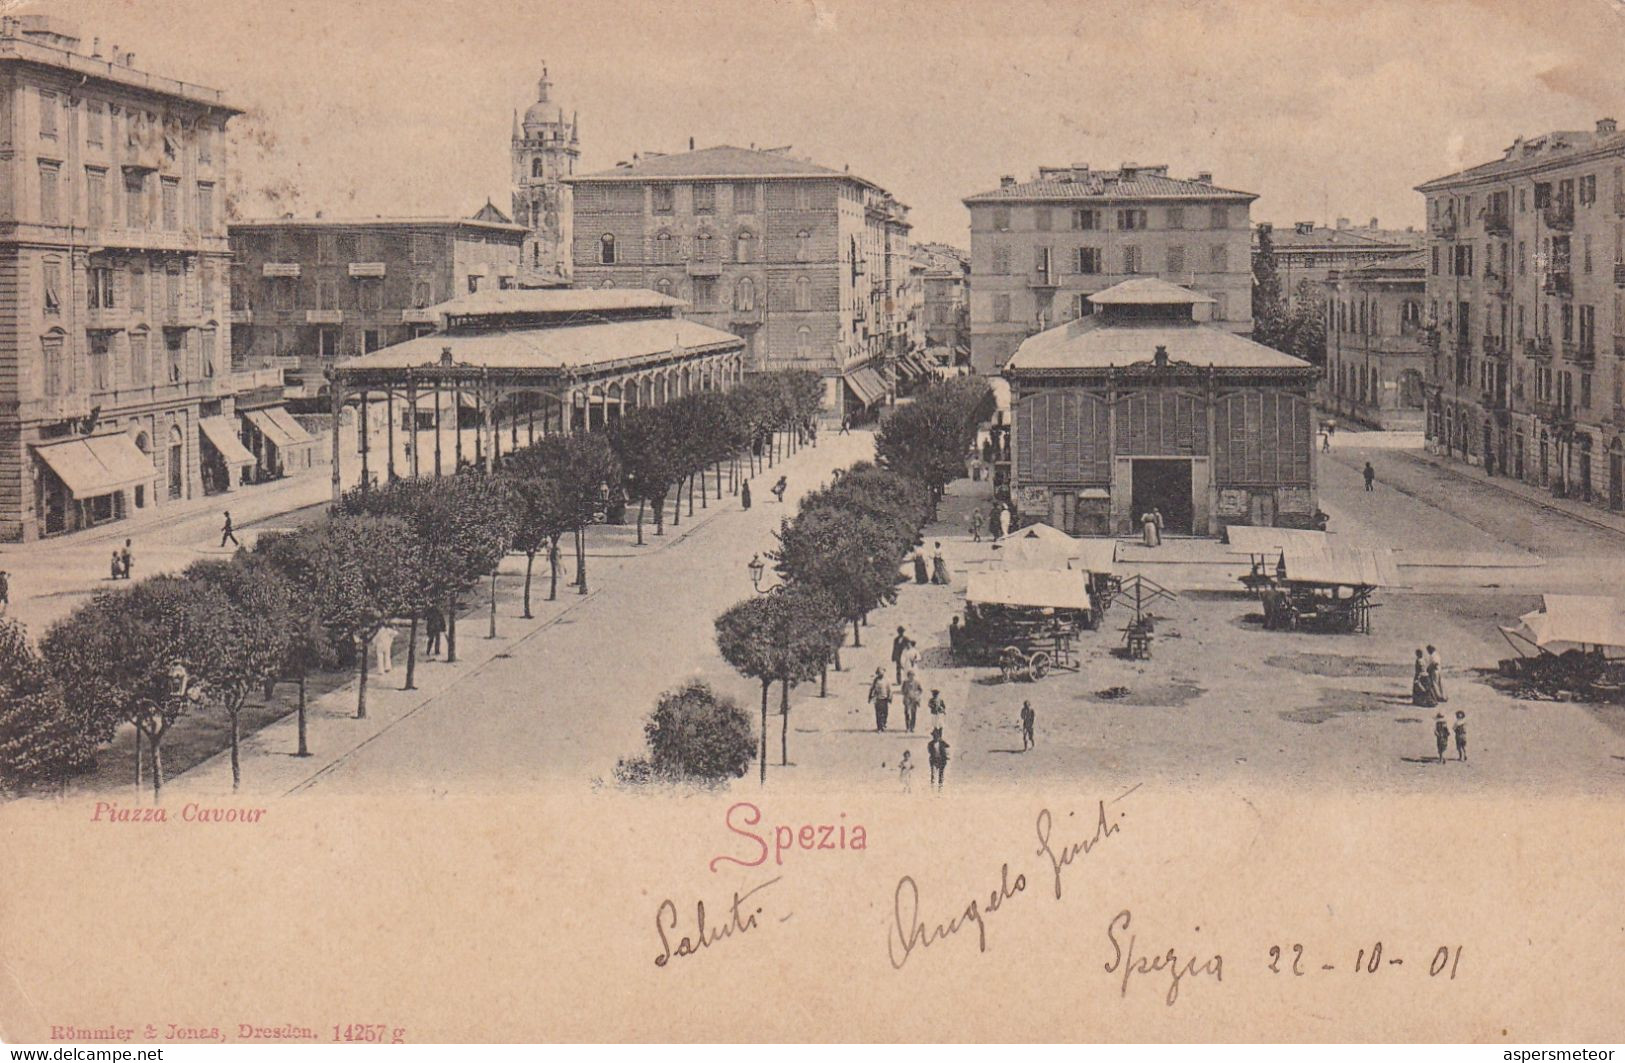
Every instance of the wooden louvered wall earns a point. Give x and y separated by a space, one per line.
1263 437
1161 423
1063 436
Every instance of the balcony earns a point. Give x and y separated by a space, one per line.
704 269
1494 347
240 317
1043 279
1498 223
324 317
1584 354
1492 399
1540 348
1497 283
1559 215
1619 274
1559 282
426 315
1445 227
1555 413
747 316
366 269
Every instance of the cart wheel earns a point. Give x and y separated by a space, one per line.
1038 665
1011 663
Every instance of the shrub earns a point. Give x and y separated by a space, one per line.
694 735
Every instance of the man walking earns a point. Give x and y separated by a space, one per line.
5 590
1325 442
976 525
911 700
846 425
383 645
1441 734
939 711
936 753
880 694
1461 735
226 533
126 559
1027 720
1370 475
899 648
779 489
434 625
744 495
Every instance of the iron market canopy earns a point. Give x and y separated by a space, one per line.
99 465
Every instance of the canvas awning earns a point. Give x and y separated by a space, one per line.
99 465
1339 566
278 426
867 384
1035 588
1041 546
1246 539
219 432
1575 622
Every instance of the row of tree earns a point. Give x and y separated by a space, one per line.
308 601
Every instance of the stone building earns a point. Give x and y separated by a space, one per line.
1138 405
1041 248
1306 253
1526 282
1377 350
947 288
545 148
308 291
809 265
116 384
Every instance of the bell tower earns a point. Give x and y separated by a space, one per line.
546 145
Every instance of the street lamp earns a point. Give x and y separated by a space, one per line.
756 568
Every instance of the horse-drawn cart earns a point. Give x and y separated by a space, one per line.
1023 621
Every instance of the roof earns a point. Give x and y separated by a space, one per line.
556 301
1534 153
1092 343
1041 546
1340 566
1288 238
1574 621
19 48
377 222
1034 588
1108 185
549 347
1415 262
721 162
1147 291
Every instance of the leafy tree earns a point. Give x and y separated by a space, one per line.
694 734
644 444
40 740
540 513
252 613
370 577
1269 310
851 557
926 440
815 632
752 637
310 645
585 466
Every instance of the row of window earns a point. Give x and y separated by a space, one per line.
137 206
746 198
1575 323
109 371
668 248
1131 258
1364 316
1496 211
102 123
103 285
1080 306
1553 255
706 291
343 246
1129 219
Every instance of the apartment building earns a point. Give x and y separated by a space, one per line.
1307 253
1377 343
946 289
1526 293
1040 248
116 385
807 264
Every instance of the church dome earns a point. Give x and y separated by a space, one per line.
546 110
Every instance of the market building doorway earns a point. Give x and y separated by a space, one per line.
1165 484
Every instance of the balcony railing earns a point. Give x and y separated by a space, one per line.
1580 353
324 317
1498 223
1559 282
240 317
1043 279
1538 347
1495 347
1555 413
1559 215
1445 227
1497 282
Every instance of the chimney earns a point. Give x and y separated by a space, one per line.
1160 359
1342 223
445 355
690 143
95 47
1205 176
129 59
1128 171
1373 223
1606 126
1007 181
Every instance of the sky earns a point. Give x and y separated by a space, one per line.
1323 109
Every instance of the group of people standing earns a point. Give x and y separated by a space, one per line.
998 521
1427 679
123 562
938 572
1151 527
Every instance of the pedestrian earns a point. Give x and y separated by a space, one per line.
846 425
880 694
905 772
976 525
117 567
1370 475
744 495
911 700
1148 529
1421 685
1156 518
383 646
553 560
434 625
921 574
1489 463
1027 720
939 567
899 647
226 533
5 590
939 711
1435 665
1441 734
126 559
936 752
779 489
1325 442
1461 735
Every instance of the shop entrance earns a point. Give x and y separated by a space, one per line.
1164 484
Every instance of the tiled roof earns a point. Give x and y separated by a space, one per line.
1147 291
1416 262
1094 343
1532 154
1288 237
724 161
362 223
558 347
556 301
1107 186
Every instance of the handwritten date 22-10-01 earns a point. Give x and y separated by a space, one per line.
1293 960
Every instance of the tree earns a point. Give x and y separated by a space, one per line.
815 631
752 637
694 735
40 740
927 439
310 645
369 577
1269 311
252 611
649 459
849 556
586 468
540 514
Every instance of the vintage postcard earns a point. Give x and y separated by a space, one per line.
811 520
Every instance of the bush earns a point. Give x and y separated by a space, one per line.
694 735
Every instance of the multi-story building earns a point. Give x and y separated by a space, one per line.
1526 283
1376 342
308 291
1307 253
545 149
116 389
807 264
1040 248
947 286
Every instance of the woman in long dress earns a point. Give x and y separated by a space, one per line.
1421 686
1148 529
920 573
939 567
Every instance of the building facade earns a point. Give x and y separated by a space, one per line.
1139 406
1377 352
546 146
1526 286
307 292
808 265
1307 254
947 312
115 348
1039 249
